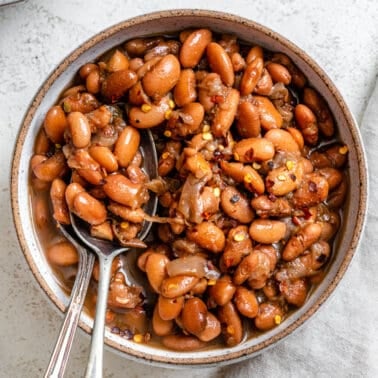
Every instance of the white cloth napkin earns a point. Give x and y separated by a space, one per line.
342 339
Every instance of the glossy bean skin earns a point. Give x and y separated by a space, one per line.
162 77
50 168
169 309
55 124
264 85
244 174
236 205
316 103
279 73
268 317
333 176
253 149
269 116
297 77
127 145
82 102
89 208
57 196
265 207
212 329
105 157
62 253
232 329
333 156
282 140
225 113
238 245
185 90
80 129
117 84
153 117
155 268
267 231
251 76
194 315
186 120
336 198
160 326
248 125
182 343
194 47
173 287
117 62
120 189
307 122
301 241
207 235
220 62
246 302
295 292
223 291
139 46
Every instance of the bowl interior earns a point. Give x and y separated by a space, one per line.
169 22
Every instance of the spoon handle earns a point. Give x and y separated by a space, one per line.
59 357
95 360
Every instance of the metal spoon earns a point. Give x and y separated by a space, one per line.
106 252
60 354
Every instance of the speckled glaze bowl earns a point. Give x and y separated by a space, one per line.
167 22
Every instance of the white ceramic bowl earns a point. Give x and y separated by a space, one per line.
167 22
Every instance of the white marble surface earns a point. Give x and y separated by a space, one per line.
341 341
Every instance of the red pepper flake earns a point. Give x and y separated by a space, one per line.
296 220
307 213
269 184
249 154
272 197
293 177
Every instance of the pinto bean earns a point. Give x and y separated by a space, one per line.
42 143
72 190
336 198
244 174
156 269
220 63
253 53
267 231
231 325
297 136
279 73
246 302
160 326
173 287
100 117
251 76
307 122
194 315
86 69
185 90
117 62
89 208
162 77
269 316
170 308
117 84
127 145
62 254
236 205
55 124
212 328
248 117
137 95
264 86
126 213
223 290
269 116
142 259
317 104
238 62
194 47
50 168
333 177
105 157
102 231
120 189
139 46
182 343
301 241
186 120
330 227
225 113
333 156
198 166
80 129
298 79
295 292
154 116
312 190
207 235
93 82
256 266
253 149
57 196
282 140
80 102
265 207
238 245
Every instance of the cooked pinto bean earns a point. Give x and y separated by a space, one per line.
246 302
223 291
169 309
295 292
173 287
276 207
282 140
89 208
251 76
194 47
160 326
313 190
117 84
269 116
55 124
182 343
127 145
279 73
50 168
194 315
156 270
248 117
220 62
62 253
267 231
207 235
236 205
253 149
185 90
232 329
307 122
269 316
57 195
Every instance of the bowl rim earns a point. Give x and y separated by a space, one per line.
232 356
